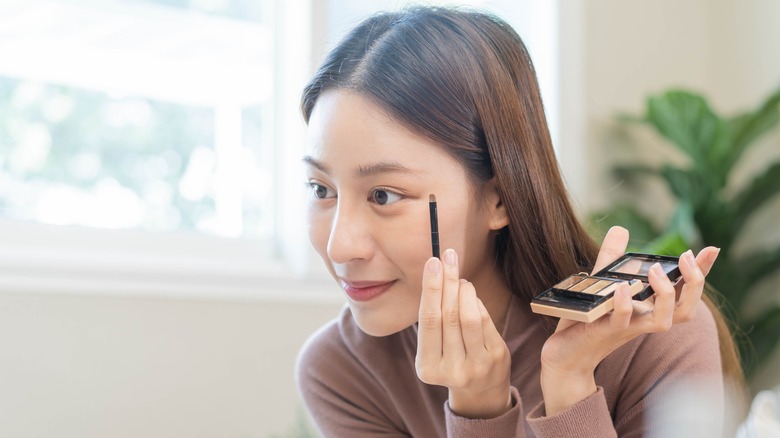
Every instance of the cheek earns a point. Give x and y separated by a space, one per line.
465 232
318 227
454 233
406 242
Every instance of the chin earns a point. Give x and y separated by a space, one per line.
380 326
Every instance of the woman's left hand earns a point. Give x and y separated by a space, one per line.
571 354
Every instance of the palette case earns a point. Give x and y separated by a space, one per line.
585 298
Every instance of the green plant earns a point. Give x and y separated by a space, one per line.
708 210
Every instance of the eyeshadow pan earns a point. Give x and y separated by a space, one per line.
609 288
569 281
582 285
641 266
597 286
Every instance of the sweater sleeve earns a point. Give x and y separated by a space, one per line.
509 424
658 384
588 418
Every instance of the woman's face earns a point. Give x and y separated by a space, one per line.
368 219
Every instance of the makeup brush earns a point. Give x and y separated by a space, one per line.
434 225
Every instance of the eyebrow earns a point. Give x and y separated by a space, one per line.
365 170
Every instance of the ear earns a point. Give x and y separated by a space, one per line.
497 215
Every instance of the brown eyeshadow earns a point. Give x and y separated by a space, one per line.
609 288
579 287
596 287
569 281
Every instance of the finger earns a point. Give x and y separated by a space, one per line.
429 336
623 308
492 338
693 287
612 248
471 321
706 258
663 309
563 324
452 340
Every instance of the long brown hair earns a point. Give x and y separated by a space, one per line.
465 80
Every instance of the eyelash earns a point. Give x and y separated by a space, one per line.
313 185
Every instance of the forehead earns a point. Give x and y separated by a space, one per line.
347 129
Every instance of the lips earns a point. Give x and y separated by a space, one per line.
365 290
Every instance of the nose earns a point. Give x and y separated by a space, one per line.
350 236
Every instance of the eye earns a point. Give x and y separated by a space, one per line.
384 197
320 191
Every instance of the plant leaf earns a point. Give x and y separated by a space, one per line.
686 185
670 243
759 265
687 121
640 229
764 334
683 224
749 126
710 212
761 189
728 278
629 172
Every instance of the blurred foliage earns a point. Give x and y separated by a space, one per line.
706 212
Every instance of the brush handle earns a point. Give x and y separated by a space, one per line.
434 229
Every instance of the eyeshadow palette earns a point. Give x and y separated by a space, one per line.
586 298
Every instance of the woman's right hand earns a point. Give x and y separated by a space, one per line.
458 346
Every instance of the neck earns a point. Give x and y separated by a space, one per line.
495 294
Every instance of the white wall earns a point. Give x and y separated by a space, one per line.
89 366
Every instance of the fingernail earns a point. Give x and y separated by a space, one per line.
450 257
433 265
656 269
688 256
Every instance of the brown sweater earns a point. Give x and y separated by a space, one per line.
356 385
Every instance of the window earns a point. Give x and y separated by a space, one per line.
130 115
141 141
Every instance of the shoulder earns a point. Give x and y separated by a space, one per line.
341 343
324 353
343 376
341 348
323 363
319 348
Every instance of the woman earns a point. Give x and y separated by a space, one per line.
445 102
